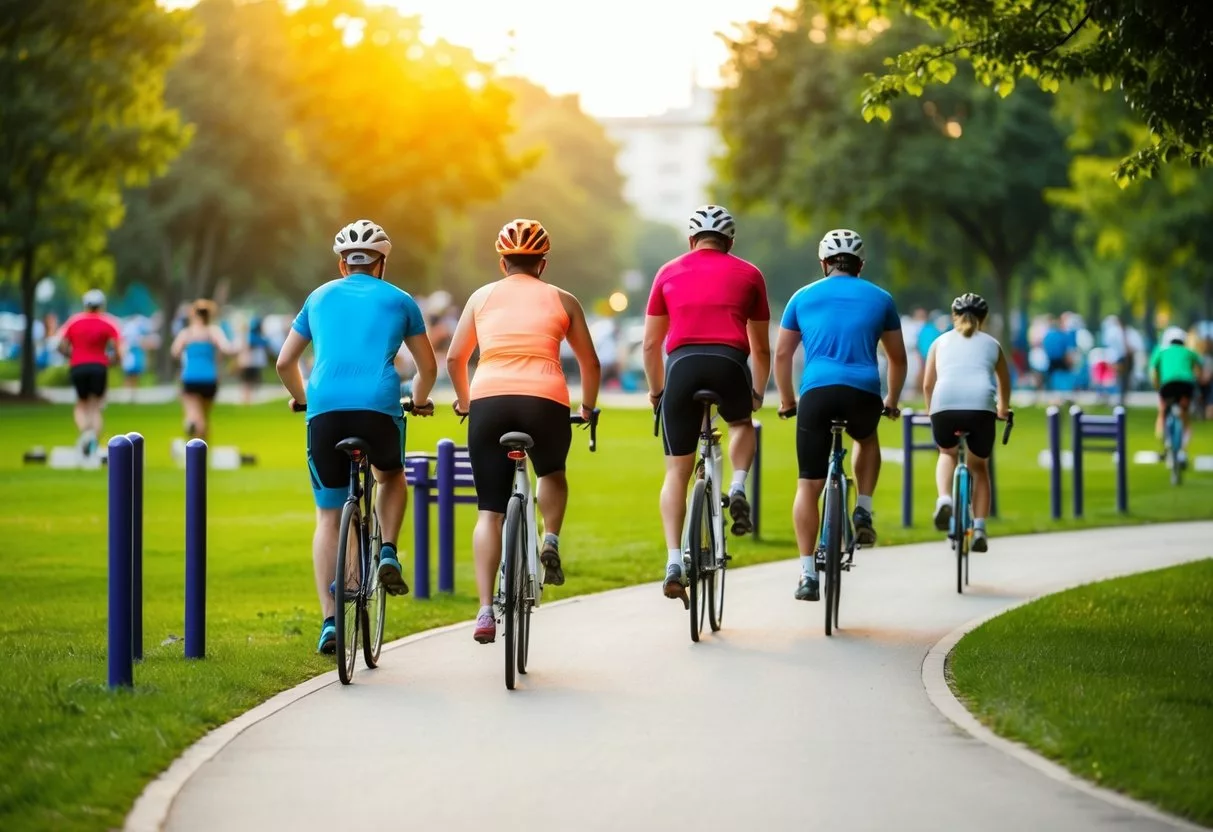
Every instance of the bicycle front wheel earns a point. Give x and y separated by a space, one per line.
347 589
375 611
700 542
833 571
513 551
960 514
1175 433
716 585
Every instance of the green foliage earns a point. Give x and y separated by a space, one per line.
953 184
572 186
1156 54
83 115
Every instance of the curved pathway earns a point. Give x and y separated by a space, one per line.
624 724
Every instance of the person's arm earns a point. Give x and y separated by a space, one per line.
221 341
1003 371
459 352
1154 361
287 365
895 351
422 350
655 329
65 345
785 351
929 377
179 343
579 339
758 331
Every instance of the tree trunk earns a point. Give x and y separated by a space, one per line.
1004 275
169 299
29 383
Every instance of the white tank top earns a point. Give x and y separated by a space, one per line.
964 370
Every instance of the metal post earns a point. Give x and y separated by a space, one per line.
993 485
446 515
120 663
907 469
1122 467
1054 422
195 549
421 533
756 475
136 545
1076 440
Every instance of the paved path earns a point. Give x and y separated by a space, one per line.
624 724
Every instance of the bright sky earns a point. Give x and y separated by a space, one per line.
624 57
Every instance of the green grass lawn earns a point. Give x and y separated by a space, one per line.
73 756
1113 680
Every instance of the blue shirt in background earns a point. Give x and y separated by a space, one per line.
840 320
198 365
356 325
1055 344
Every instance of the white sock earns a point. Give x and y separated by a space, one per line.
485 611
864 502
808 566
979 523
739 477
674 556
942 501
554 539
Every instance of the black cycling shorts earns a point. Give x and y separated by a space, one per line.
815 412
489 418
1174 391
979 424
206 389
695 367
330 468
89 380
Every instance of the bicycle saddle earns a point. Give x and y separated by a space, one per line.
838 423
516 440
707 397
353 445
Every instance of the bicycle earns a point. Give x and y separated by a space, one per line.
520 587
357 591
1173 438
960 531
836 544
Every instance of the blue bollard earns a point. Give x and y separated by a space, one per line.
1053 417
1076 439
1122 468
421 533
756 474
195 549
120 662
136 545
446 515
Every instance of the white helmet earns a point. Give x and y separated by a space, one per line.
840 241
357 240
94 299
712 218
1174 335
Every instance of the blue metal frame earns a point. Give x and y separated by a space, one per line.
836 472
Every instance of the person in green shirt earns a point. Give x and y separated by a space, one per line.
1176 371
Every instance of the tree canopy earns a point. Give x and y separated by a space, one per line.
1153 54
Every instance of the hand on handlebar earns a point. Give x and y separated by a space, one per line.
411 406
891 410
297 407
787 411
462 414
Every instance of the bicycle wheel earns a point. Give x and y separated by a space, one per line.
960 523
347 590
526 602
699 540
716 582
514 551
1175 433
375 611
833 571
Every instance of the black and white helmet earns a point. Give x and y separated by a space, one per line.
94 299
356 241
712 218
970 302
840 241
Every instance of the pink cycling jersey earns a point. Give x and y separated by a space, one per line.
709 297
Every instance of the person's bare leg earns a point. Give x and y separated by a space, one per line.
552 494
486 549
980 469
674 498
97 405
191 409
390 502
204 418
945 469
867 464
82 415
743 442
806 514
324 556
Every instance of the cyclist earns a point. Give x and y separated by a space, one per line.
198 346
1176 371
356 324
85 338
710 309
839 319
518 323
958 383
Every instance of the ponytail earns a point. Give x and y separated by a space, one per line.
966 324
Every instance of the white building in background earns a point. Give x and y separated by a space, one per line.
666 159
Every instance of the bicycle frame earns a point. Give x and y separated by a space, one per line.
530 527
836 473
360 495
710 464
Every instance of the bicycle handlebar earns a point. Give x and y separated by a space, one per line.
407 405
591 423
891 413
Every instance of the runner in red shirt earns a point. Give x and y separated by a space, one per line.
86 338
710 310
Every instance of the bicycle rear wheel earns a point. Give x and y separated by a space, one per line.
699 541
525 602
833 571
347 590
375 611
514 551
716 582
1175 434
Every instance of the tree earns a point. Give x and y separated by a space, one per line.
573 187
83 114
960 175
1155 53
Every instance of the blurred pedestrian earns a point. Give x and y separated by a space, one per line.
253 358
198 347
86 339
